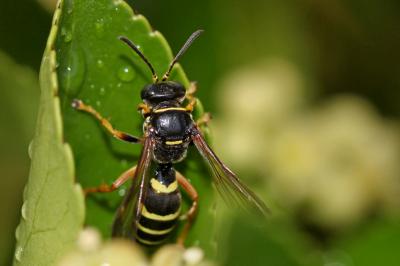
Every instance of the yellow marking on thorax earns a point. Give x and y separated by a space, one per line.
157 217
161 110
152 231
176 142
161 188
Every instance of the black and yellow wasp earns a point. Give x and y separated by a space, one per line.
152 206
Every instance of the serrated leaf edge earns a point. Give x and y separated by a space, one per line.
50 55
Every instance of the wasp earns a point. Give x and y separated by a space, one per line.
152 206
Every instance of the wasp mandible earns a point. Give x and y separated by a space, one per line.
152 206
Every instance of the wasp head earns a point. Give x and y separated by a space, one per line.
156 93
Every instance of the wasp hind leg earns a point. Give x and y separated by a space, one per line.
79 105
104 188
191 213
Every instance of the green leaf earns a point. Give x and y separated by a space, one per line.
96 67
376 243
278 242
52 211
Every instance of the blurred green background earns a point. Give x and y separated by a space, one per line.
306 100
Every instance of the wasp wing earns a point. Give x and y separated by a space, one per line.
129 212
227 183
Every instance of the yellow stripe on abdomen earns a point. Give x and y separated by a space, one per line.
176 142
157 217
152 231
149 242
161 188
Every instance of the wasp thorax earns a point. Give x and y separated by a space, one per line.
163 91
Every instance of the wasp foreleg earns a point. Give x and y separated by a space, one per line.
104 188
191 213
79 105
144 108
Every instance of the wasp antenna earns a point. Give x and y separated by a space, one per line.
136 49
187 44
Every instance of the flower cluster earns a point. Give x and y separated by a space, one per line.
336 162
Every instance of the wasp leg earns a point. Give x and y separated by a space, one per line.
191 90
204 119
191 214
79 105
190 106
144 108
104 188
190 96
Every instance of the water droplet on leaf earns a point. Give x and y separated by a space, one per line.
67 34
121 192
69 6
68 37
99 25
72 71
100 63
126 73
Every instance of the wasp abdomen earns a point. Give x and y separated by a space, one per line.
161 208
